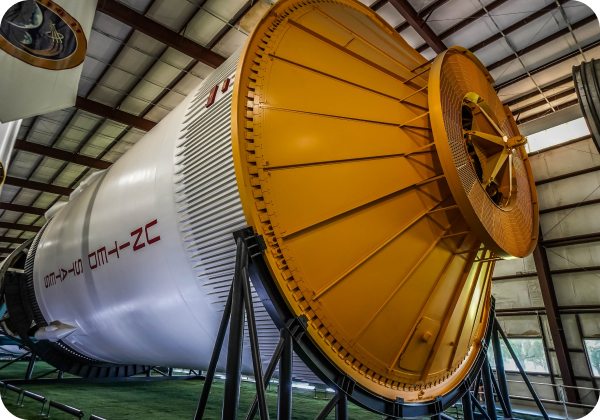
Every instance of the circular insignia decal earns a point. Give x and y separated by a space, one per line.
43 34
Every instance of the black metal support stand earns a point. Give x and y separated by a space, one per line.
502 384
31 366
15 360
522 371
488 391
239 304
467 406
284 402
239 308
341 409
493 387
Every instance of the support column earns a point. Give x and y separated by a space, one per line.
341 409
502 384
30 366
554 321
488 391
236 341
284 403
467 406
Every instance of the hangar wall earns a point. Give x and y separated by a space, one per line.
566 175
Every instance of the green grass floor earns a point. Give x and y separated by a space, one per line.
163 400
154 400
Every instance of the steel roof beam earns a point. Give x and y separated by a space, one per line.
544 113
546 66
559 83
426 11
516 26
542 42
229 25
171 87
569 175
37 186
12 240
552 98
464 23
573 240
378 4
23 209
535 309
565 271
424 31
6 250
54 153
159 32
570 206
117 115
15 226
559 145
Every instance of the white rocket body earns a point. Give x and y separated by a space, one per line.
8 136
140 261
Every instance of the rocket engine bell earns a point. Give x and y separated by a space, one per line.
385 187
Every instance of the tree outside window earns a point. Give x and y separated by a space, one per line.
529 351
593 350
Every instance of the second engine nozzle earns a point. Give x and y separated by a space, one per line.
385 187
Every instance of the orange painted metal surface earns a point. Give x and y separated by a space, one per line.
359 166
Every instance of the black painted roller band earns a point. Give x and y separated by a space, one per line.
587 85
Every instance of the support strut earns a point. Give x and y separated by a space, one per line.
239 304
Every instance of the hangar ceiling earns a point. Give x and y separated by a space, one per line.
137 69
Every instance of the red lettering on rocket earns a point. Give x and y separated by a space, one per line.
100 257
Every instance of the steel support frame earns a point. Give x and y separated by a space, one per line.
38 186
554 320
346 388
493 387
413 18
521 370
501 385
239 304
30 366
159 32
547 66
250 247
15 360
113 114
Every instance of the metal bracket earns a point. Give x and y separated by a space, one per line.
399 407
255 243
439 407
297 327
466 384
346 384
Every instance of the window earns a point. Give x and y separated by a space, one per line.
529 351
556 135
593 351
